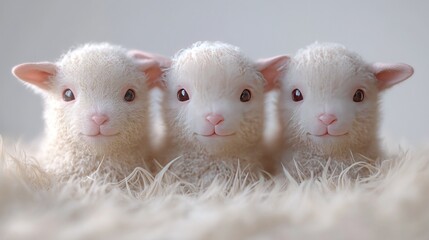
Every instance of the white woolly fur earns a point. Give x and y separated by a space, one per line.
214 75
99 76
391 204
328 76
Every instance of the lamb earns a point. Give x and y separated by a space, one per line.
329 109
96 104
214 106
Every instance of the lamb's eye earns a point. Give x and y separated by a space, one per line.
245 95
68 95
297 95
359 96
130 95
182 95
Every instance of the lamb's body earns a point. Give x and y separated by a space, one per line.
96 130
214 131
335 113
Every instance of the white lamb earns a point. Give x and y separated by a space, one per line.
329 108
96 104
215 111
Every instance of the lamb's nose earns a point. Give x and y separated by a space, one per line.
327 119
100 119
215 119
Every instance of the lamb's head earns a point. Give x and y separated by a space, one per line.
96 96
215 97
329 98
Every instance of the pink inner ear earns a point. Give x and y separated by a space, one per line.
37 74
388 74
164 62
272 69
152 70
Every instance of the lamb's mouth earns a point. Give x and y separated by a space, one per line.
214 134
328 135
100 135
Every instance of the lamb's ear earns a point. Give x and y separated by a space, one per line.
37 74
389 74
272 69
153 65
164 62
152 70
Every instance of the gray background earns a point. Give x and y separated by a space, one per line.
389 31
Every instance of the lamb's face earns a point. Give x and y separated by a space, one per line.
216 104
100 100
329 102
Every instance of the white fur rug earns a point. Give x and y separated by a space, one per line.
392 204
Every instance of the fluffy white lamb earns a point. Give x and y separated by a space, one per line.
214 106
96 104
329 108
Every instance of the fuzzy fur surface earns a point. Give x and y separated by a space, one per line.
390 204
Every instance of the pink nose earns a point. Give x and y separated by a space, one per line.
100 119
215 119
327 119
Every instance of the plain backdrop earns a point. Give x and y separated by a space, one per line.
388 31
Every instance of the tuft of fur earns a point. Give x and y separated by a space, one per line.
390 204
99 76
328 75
214 74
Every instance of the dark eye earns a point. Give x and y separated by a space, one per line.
182 95
130 95
297 95
359 96
68 95
245 95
